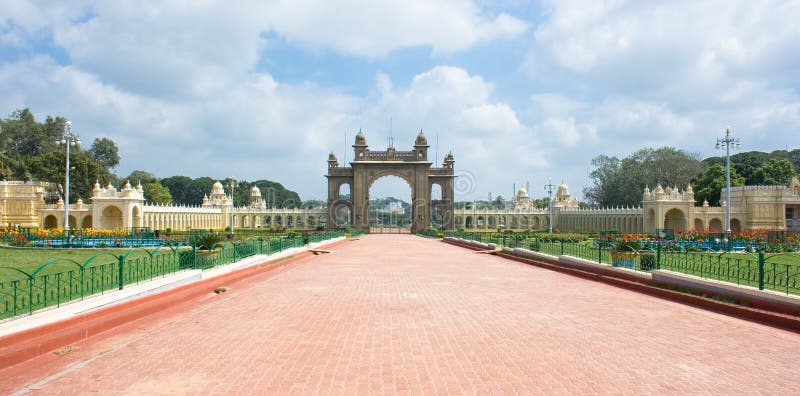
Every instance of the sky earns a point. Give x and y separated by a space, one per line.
520 92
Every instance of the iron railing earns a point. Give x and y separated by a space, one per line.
58 281
772 271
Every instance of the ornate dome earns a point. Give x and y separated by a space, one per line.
522 193
361 140
421 139
332 157
216 188
255 191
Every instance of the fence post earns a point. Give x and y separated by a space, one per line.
562 247
120 270
30 295
261 246
235 255
658 256
760 270
600 253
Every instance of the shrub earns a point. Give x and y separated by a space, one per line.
19 240
207 241
648 261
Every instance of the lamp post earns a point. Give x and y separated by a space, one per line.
67 139
233 186
725 144
549 188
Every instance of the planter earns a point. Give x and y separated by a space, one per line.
624 259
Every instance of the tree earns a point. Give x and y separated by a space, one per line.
710 185
27 137
794 158
541 203
178 188
604 176
140 176
85 171
499 202
313 204
276 195
155 193
105 152
774 172
620 183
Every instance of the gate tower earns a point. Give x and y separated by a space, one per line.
368 166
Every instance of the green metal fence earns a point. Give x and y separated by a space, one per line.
778 272
60 280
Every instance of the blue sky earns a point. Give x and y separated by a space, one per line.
519 91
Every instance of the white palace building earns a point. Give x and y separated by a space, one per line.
752 207
22 204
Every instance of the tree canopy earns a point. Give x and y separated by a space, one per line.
621 182
747 163
28 151
710 185
775 172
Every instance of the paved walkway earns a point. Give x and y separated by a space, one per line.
401 314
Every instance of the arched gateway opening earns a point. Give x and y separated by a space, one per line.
412 166
390 205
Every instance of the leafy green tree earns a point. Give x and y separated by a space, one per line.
710 185
199 188
140 176
26 137
85 171
499 202
178 188
774 172
541 203
621 182
276 195
313 204
155 193
794 157
105 152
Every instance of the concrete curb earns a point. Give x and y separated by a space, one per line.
106 312
772 313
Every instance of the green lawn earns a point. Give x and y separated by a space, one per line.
30 259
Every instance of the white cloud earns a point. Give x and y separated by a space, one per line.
375 28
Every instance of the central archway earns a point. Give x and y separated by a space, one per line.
389 203
412 166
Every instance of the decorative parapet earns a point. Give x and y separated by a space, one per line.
110 191
668 194
600 211
180 209
499 212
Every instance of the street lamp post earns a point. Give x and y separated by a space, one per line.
233 186
67 139
725 144
549 188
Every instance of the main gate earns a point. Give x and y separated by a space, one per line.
412 166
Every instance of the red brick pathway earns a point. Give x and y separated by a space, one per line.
401 314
